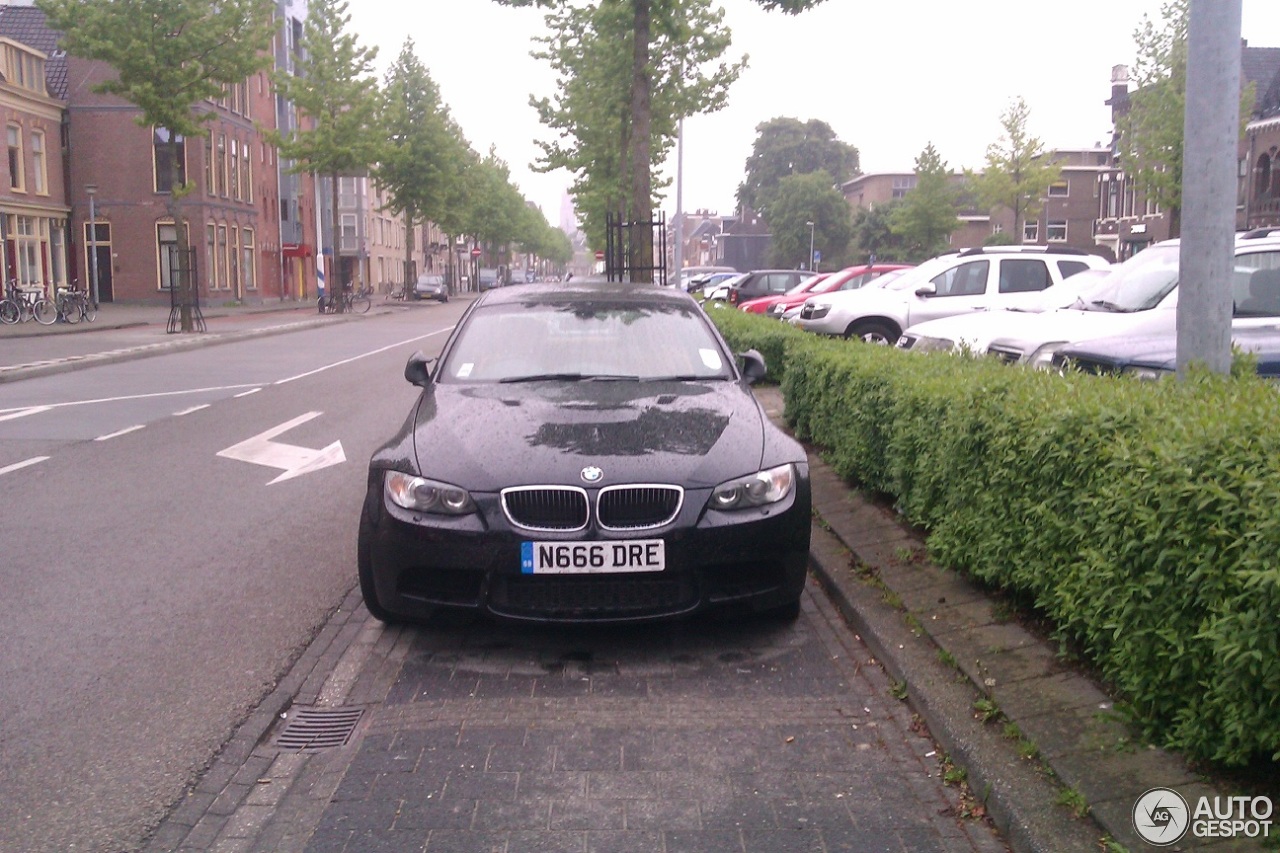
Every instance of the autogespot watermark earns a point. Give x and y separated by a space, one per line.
1162 817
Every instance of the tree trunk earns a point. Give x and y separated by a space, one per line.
336 286
640 242
409 277
183 285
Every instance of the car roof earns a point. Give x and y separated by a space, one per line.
585 290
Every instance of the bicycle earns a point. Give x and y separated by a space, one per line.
69 305
353 302
18 305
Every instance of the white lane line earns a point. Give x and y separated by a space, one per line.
127 397
247 393
362 355
22 413
119 433
34 460
190 410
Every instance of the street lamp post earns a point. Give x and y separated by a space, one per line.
810 265
92 191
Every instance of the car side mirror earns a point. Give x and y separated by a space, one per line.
753 366
926 291
418 370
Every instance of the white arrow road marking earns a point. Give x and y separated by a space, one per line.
294 460
14 414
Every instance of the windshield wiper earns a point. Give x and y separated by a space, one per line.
1111 306
684 377
570 377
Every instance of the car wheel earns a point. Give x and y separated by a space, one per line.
364 565
872 332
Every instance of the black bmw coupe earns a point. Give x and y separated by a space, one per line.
585 452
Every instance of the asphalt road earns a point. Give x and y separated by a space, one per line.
154 590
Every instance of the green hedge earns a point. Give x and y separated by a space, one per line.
1142 517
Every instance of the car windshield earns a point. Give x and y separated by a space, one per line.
1138 284
585 340
915 276
808 284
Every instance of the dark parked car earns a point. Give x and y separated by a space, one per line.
585 452
1156 356
430 286
759 283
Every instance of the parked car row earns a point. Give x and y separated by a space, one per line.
1123 321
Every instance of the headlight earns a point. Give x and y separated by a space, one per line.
1147 372
1042 359
766 487
819 310
778 308
422 495
923 344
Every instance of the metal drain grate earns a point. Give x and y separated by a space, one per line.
318 728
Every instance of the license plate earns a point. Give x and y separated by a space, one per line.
585 558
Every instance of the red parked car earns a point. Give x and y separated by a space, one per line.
849 278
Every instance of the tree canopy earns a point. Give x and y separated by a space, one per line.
1018 172
787 146
794 202
927 215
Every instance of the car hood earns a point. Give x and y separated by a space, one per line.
974 330
1031 331
488 437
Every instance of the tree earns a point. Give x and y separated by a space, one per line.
796 201
638 140
927 215
872 236
422 156
332 85
1018 173
591 112
170 56
787 146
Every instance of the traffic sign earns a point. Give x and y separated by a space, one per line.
599 256
475 253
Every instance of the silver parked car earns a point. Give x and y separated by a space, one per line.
431 286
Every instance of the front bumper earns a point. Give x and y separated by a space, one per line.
749 560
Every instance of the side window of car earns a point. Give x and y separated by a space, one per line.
1023 275
1256 289
782 282
1070 268
969 279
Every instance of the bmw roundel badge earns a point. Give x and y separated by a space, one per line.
592 474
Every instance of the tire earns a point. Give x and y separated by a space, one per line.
46 312
364 567
90 311
361 304
71 311
872 332
10 313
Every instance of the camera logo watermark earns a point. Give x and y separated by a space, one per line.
1162 817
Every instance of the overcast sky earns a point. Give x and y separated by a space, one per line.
888 77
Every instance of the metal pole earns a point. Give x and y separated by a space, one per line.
809 266
92 190
678 249
1211 131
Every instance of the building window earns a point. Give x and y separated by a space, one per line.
17 179
58 253
1056 230
26 244
220 258
1030 232
209 188
348 235
246 173
167 255
234 162
211 269
233 260
39 166
170 160
1059 189
248 268
221 167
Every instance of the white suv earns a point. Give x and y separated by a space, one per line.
955 283
1140 297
